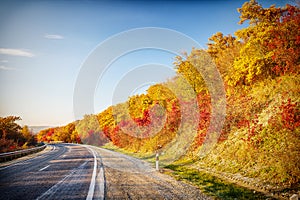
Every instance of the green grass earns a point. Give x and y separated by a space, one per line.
212 185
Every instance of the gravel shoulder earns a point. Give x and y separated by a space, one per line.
130 178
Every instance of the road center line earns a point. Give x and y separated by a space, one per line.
44 168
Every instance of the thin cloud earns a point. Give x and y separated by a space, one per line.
16 52
7 68
4 61
54 36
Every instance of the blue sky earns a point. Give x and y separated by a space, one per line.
43 45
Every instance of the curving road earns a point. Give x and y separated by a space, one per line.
69 171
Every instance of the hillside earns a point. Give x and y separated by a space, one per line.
183 117
37 129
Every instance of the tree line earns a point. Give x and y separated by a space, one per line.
13 136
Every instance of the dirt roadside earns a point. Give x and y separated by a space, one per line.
130 178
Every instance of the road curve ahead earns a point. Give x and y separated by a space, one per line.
70 171
67 171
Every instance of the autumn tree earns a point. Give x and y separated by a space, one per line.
269 29
9 128
90 132
70 133
11 137
223 50
28 136
190 73
285 41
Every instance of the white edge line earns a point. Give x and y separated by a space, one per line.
100 178
93 180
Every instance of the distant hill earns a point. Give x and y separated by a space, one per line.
37 129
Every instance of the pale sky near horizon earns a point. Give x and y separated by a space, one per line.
43 45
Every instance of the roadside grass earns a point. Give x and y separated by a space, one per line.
212 185
207 183
149 157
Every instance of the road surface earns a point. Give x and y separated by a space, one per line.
69 171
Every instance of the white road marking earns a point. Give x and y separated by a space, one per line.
93 180
97 180
44 168
100 179
55 187
101 182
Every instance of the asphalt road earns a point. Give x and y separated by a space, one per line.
69 171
